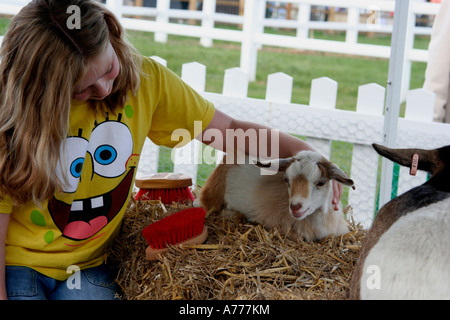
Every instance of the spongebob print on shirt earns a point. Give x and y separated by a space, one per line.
98 162
98 174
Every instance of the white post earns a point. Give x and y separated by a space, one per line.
304 13
409 45
351 36
162 17
393 93
253 11
209 8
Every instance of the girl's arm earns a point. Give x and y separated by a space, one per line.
231 129
4 222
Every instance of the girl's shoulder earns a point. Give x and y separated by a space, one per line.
152 65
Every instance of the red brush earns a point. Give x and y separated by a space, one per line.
183 227
167 187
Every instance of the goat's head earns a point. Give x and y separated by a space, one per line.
308 175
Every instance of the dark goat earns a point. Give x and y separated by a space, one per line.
406 252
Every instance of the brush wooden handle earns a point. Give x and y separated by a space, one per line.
164 180
152 254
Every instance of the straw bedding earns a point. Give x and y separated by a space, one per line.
239 260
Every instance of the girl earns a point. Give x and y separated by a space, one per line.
76 105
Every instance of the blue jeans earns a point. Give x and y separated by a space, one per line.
23 283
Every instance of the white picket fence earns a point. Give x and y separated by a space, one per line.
321 123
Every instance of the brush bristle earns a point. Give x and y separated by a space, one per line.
175 228
166 196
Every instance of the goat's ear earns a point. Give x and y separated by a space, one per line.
429 160
278 165
332 171
339 175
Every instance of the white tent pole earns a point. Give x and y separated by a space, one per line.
393 92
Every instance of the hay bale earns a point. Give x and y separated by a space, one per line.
239 260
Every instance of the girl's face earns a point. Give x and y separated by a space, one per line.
101 73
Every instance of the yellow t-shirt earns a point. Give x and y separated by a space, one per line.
99 158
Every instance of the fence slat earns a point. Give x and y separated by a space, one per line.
420 105
323 95
279 88
160 60
194 74
364 159
370 99
235 83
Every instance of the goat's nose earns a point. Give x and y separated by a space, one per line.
295 206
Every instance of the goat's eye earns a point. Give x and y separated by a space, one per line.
320 184
287 180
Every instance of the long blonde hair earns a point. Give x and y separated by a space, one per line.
41 60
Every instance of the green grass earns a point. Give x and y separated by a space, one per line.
4 23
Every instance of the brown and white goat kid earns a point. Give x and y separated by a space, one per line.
297 199
406 253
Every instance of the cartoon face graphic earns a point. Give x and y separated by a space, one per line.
100 172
